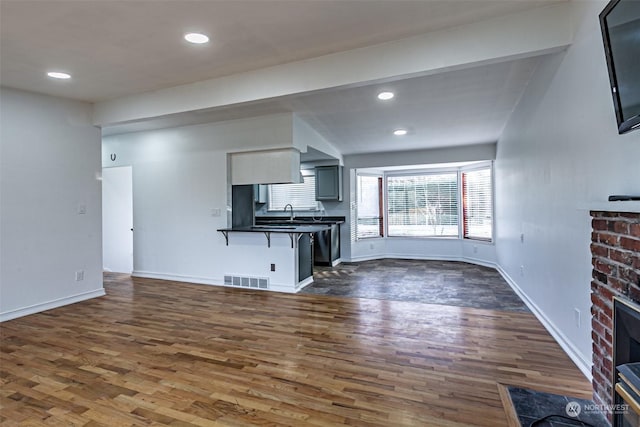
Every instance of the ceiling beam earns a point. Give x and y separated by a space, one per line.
524 34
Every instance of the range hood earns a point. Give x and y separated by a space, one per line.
277 166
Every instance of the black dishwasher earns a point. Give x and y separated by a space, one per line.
326 246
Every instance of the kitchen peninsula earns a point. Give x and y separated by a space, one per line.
286 249
274 252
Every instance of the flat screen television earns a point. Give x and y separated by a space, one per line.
620 24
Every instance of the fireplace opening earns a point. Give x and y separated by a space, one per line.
626 359
626 329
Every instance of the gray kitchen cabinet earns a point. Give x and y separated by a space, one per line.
305 257
242 206
260 193
329 183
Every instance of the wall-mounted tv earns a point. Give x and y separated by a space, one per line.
620 23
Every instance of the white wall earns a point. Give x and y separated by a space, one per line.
305 136
414 248
559 155
50 162
180 178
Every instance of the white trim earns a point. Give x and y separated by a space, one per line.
305 282
366 258
631 206
37 308
574 354
478 261
336 262
290 289
425 258
178 278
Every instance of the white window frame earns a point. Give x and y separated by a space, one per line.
479 166
357 196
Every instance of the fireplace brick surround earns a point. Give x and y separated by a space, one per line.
615 249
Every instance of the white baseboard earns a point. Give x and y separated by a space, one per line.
178 278
365 258
276 287
305 282
424 258
481 262
37 308
336 262
568 347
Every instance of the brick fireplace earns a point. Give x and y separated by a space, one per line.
615 249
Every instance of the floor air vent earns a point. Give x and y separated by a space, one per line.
246 282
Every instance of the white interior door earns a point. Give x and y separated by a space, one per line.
117 219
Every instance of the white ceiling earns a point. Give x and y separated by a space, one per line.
463 107
119 48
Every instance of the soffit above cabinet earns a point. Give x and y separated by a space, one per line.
278 166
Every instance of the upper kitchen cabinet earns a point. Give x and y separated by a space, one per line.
329 183
260 192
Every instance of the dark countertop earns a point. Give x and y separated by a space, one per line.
299 220
293 228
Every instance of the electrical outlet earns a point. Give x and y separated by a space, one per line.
82 209
79 275
371 246
522 270
216 212
273 267
576 316
521 237
475 249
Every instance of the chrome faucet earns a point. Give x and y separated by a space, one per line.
285 209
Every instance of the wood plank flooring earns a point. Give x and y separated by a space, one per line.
155 352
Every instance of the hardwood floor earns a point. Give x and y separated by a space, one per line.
164 353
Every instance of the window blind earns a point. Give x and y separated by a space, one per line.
477 203
301 196
423 205
369 208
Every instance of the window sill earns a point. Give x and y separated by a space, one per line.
447 238
426 237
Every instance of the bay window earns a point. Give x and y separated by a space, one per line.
435 203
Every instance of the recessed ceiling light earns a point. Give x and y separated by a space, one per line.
385 96
400 132
196 38
58 75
